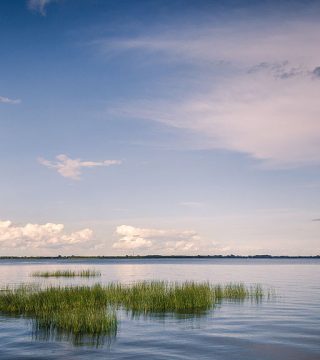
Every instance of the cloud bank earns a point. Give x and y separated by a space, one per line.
48 235
156 240
72 168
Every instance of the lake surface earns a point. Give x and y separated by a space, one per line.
286 326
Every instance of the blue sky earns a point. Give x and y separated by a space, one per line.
168 127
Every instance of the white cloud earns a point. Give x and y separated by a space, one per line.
259 95
48 235
72 168
271 119
159 240
6 100
39 5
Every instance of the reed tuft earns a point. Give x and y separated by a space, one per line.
67 273
91 310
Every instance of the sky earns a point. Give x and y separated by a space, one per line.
159 127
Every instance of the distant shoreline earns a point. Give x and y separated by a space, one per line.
76 257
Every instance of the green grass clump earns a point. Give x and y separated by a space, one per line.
91 311
161 296
79 311
67 273
186 297
237 292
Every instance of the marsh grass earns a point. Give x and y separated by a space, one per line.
67 273
238 292
76 312
163 297
83 311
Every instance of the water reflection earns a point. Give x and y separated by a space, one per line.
164 316
41 332
282 327
86 315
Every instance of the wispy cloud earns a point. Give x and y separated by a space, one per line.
72 168
48 235
262 103
158 240
270 119
6 100
240 44
39 5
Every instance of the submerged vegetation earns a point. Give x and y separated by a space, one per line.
91 311
67 273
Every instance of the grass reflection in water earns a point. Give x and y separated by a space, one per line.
88 313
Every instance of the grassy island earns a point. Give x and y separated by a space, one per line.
67 273
91 311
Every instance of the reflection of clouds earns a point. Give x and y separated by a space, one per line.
127 273
18 273
166 271
279 274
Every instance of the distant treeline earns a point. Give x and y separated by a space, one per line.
164 257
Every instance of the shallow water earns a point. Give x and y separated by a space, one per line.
283 327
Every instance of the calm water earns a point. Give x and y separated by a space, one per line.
284 327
